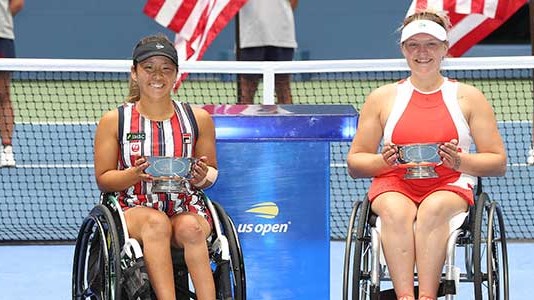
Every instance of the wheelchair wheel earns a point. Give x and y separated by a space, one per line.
490 255
96 267
358 235
230 276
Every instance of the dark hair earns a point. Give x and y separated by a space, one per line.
133 91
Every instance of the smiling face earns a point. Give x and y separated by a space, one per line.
155 76
424 53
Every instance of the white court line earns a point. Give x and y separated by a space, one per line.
90 166
55 166
338 165
96 122
59 123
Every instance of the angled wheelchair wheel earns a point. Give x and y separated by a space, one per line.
358 251
229 275
490 255
96 267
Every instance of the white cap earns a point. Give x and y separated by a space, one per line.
423 26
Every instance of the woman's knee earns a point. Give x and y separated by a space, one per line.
188 229
437 210
156 226
395 211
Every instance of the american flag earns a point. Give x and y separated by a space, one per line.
472 20
196 22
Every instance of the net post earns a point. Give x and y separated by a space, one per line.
268 86
238 57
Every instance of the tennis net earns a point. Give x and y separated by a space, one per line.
58 102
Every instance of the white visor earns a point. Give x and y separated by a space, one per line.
423 26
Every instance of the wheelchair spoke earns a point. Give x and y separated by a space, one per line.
97 262
231 275
358 256
490 255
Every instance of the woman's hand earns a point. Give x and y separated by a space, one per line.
138 169
390 154
450 154
199 172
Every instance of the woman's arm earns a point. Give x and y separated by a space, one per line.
205 145
106 147
490 158
206 169
363 159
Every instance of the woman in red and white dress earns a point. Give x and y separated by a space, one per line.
151 123
426 107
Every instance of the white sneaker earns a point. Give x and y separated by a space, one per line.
530 158
7 158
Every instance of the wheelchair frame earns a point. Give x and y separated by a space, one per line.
482 235
104 251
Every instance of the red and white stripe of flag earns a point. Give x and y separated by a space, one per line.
472 20
196 22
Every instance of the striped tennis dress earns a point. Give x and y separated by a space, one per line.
174 137
426 117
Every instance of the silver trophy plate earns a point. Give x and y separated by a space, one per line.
419 160
170 174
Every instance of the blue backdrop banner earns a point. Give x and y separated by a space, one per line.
274 181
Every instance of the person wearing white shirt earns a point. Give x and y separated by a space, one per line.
267 33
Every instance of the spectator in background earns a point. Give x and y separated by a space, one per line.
267 33
8 9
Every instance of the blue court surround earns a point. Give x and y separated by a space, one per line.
44 272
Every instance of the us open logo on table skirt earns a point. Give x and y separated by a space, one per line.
264 210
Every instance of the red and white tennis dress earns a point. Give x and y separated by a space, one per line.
426 117
175 137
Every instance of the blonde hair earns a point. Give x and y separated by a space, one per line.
133 88
435 16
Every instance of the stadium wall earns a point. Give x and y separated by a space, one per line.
108 30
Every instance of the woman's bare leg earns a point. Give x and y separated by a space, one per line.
397 215
153 229
190 232
431 235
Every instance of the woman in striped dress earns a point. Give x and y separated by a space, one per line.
151 123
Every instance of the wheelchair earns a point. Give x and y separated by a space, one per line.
480 232
109 265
